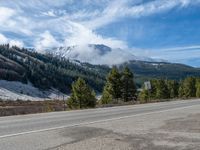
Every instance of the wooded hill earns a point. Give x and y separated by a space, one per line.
160 70
47 71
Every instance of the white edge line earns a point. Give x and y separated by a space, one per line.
93 122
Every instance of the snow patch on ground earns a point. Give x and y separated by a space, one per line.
13 90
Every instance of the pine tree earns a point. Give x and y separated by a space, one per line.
161 90
153 89
144 96
114 83
198 87
128 88
106 96
189 87
173 88
181 90
82 96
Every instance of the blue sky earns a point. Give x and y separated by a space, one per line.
161 29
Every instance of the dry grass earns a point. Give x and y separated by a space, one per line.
18 107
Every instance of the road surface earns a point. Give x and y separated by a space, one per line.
124 127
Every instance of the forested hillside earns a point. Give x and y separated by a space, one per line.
46 71
160 70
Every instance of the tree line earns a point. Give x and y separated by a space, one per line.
47 71
169 89
119 86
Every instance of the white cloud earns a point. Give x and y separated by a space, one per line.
5 14
118 9
116 56
3 39
16 43
80 35
12 20
96 54
46 41
50 13
77 26
173 49
173 54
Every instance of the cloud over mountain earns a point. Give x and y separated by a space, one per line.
45 24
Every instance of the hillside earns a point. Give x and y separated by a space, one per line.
147 70
46 71
15 90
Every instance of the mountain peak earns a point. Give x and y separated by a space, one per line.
97 54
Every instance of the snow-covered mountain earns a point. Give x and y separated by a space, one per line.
97 54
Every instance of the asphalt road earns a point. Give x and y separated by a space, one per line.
52 130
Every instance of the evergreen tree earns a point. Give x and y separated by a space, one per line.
173 88
114 83
128 88
153 89
144 96
189 87
82 96
198 87
106 96
181 90
161 90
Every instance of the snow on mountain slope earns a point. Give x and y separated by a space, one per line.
97 54
12 90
